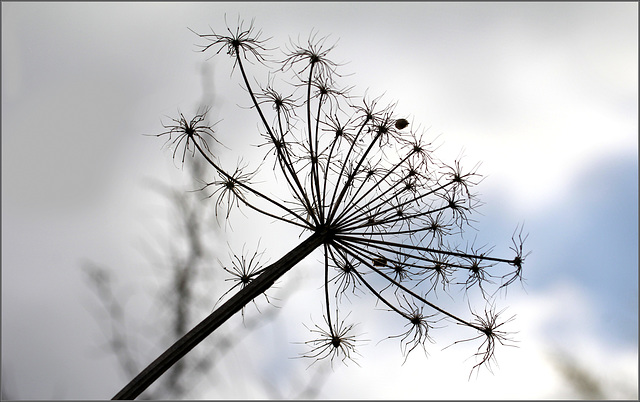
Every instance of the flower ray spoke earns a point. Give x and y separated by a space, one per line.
418 248
355 255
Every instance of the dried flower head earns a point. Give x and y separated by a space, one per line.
242 42
231 188
313 56
243 270
338 342
187 134
488 326
418 326
367 189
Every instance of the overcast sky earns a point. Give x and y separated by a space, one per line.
544 94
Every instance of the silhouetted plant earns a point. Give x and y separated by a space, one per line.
367 188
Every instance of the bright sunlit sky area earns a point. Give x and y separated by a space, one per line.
544 95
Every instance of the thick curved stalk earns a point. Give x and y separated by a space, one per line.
256 287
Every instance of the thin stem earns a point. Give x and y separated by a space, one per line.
375 292
358 218
315 173
347 238
256 192
367 251
308 206
377 183
345 247
354 204
326 284
379 222
334 206
312 155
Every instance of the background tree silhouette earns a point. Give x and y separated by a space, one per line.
184 264
187 280
363 185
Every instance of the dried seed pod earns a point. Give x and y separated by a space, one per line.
401 123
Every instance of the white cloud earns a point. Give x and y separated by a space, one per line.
550 324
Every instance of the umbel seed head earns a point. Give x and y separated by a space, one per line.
401 123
